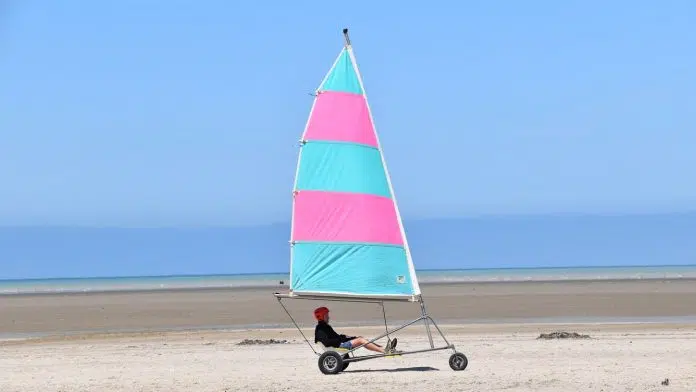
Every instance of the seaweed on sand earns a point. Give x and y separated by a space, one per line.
563 335
247 342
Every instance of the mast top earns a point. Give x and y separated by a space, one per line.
345 35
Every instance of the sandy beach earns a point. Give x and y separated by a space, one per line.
502 358
188 340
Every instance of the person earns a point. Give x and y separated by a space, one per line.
325 334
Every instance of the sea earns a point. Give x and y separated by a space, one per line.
150 283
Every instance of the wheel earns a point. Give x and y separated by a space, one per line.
458 361
345 364
330 362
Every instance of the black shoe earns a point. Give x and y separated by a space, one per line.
392 345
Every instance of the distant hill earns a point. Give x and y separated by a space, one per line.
483 242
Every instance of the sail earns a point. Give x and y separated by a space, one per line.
347 238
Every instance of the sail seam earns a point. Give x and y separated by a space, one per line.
342 142
357 243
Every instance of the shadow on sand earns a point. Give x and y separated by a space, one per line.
408 369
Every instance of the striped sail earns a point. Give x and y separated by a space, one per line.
347 238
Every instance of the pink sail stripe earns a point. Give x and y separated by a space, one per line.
345 217
339 116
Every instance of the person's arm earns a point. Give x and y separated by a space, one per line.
345 338
342 337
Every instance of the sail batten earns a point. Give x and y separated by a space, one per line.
347 237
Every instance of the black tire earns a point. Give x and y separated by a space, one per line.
330 362
458 361
345 364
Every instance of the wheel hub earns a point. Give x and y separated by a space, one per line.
330 362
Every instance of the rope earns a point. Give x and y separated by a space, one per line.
386 328
297 326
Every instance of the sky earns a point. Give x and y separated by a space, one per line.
187 113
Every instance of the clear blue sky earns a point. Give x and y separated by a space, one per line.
144 113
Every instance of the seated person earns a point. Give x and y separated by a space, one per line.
329 338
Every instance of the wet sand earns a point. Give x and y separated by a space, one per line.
257 307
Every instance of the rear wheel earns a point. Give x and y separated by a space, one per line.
330 362
345 364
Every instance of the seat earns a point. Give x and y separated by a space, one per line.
323 348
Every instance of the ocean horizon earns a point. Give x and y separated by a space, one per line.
271 280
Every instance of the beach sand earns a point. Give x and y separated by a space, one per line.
616 358
495 325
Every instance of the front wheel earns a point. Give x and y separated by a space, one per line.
330 362
458 361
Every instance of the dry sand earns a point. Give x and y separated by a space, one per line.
504 355
617 358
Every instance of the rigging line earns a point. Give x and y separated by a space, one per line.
297 326
386 328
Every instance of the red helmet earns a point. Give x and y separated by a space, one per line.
320 313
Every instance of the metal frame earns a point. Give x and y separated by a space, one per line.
424 317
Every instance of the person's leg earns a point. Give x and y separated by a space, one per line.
359 341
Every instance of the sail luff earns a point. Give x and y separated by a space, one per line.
299 156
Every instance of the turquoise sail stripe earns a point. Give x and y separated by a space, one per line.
360 269
342 167
342 76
